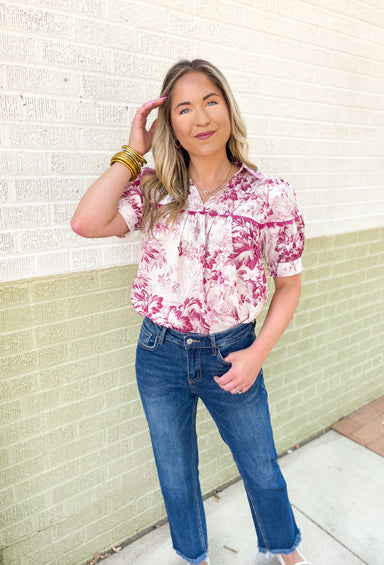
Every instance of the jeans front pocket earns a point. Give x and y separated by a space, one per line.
220 357
148 339
224 349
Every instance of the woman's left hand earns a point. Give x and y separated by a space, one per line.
243 373
246 363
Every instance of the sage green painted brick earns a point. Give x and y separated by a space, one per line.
10 411
68 373
63 286
19 430
18 365
43 481
47 312
118 358
47 552
376 247
14 293
65 331
50 356
80 348
12 473
21 511
116 339
19 386
12 319
7 498
69 395
12 534
117 277
13 343
78 485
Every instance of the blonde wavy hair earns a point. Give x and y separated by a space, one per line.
171 164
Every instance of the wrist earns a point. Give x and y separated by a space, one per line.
261 348
131 159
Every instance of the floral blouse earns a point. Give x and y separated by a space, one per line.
206 274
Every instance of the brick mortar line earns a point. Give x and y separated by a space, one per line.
103 373
76 477
264 116
62 125
326 10
339 262
319 103
309 364
331 379
102 18
31 302
279 58
65 321
84 16
205 42
308 3
55 468
90 471
34 302
50 367
108 20
92 73
86 152
101 333
314 373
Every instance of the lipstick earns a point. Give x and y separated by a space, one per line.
204 135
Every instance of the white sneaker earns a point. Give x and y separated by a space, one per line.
303 562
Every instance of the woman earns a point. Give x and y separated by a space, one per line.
208 217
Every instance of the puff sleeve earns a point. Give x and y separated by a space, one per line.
131 203
282 234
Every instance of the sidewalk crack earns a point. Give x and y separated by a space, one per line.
330 535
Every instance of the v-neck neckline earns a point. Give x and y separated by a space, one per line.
219 193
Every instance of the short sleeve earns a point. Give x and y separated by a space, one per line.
131 203
282 234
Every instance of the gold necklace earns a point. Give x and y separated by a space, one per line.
210 193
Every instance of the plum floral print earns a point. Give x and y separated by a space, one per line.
206 274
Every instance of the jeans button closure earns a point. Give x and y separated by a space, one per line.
189 341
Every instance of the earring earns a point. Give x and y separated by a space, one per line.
177 143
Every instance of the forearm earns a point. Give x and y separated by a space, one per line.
280 313
99 204
96 215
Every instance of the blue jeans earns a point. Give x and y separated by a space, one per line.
174 370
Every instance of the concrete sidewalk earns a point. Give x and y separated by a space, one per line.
336 487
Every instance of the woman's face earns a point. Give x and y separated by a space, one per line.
199 116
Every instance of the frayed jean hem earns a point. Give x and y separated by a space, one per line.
203 557
283 551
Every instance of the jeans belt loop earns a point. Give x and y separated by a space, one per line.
213 344
162 335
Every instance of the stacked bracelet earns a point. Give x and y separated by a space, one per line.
131 159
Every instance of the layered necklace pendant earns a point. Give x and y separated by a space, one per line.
211 193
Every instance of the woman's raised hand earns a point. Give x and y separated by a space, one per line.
141 138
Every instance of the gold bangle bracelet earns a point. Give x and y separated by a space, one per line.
134 170
134 164
134 153
123 157
131 159
133 167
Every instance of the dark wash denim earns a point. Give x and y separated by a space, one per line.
174 370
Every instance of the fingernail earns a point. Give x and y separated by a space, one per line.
163 97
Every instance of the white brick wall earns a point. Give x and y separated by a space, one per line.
308 76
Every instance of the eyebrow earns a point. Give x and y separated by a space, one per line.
204 98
